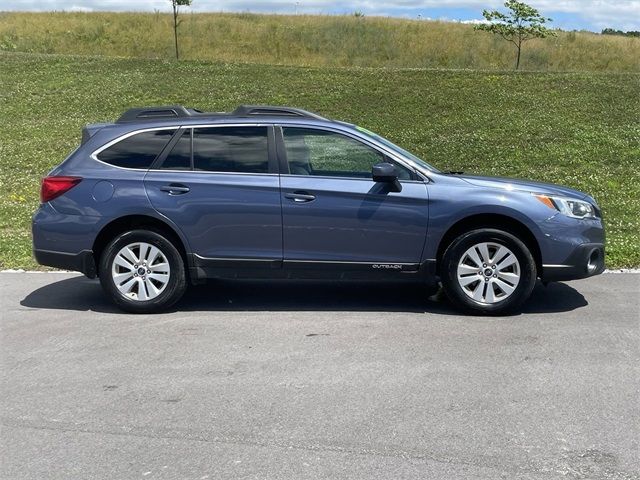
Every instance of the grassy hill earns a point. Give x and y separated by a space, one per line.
309 40
577 129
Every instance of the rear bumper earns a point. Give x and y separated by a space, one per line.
78 262
64 241
585 261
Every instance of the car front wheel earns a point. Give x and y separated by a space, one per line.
488 271
142 272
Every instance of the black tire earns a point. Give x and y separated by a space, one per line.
454 255
174 288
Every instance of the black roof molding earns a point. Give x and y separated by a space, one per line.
269 110
178 111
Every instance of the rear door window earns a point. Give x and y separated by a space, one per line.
231 149
138 150
179 158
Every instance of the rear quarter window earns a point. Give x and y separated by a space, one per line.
138 150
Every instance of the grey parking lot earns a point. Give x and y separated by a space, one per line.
302 380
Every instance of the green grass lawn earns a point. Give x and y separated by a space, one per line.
309 40
577 129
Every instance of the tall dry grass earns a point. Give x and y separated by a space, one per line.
309 40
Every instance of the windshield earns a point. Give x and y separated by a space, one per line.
396 148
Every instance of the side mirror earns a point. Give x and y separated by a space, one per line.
386 173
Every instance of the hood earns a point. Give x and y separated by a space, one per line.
522 185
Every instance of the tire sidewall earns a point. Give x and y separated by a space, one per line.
458 248
177 279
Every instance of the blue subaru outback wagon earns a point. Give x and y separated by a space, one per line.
168 196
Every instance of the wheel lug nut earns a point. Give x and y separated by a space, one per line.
495 276
486 279
484 264
135 274
493 266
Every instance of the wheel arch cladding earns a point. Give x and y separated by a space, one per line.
136 222
490 220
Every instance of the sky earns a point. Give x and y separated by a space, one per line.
591 15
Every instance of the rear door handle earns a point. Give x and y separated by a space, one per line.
175 189
300 197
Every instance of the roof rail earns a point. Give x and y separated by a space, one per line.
251 110
153 113
178 111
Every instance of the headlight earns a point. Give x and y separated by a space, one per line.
569 206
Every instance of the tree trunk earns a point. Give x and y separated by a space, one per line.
519 46
175 28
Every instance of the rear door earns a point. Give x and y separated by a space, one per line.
219 184
335 215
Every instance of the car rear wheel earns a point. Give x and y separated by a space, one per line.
142 272
488 271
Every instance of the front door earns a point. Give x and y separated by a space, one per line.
334 213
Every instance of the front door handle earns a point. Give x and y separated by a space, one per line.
175 189
300 197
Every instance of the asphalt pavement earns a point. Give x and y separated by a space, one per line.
305 380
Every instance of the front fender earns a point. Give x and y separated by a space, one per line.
453 204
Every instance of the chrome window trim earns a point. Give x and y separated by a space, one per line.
96 152
207 172
328 177
367 141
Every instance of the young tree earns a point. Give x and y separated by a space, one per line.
520 24
176 4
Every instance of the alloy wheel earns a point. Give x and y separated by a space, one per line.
140 271
488 272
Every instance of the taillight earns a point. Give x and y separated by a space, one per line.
53 187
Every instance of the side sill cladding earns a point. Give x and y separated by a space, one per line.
202 268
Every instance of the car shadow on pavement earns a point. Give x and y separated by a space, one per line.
81 294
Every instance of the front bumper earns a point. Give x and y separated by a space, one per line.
585 261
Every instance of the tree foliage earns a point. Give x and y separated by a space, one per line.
176 4
520 24
621 33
